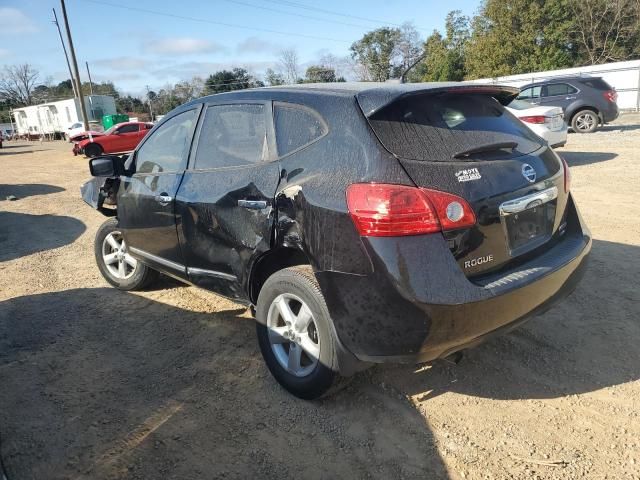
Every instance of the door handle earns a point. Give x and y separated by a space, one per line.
253 204
163 199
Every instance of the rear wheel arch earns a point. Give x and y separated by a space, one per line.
269 263
579 109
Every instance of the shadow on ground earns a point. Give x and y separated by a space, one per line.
23 234
576 159
585 343
27 190
99 383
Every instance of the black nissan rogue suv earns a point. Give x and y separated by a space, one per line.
363 222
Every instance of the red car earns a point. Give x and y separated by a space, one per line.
122 137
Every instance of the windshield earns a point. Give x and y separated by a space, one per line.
111 130
436 127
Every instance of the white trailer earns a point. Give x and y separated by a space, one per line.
56 117
623 76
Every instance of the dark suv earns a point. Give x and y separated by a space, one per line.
587 101
363 223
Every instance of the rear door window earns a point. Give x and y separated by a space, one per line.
436 127
232 135
296 127
556 89
528 93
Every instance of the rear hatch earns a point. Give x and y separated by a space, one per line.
463 141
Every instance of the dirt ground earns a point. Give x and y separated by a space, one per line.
169 383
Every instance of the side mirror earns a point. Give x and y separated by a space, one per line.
106 167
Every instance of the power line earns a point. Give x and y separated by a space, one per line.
330 12
326 20
213 22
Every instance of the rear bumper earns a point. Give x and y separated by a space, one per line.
610 114
418 306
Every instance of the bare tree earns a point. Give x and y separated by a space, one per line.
607 30
288 61
409 48
17 83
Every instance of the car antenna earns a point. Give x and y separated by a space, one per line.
418 60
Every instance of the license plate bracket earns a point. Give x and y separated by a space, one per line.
528 221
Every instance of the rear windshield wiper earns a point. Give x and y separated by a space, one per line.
489 147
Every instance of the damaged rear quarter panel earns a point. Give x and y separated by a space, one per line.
311 204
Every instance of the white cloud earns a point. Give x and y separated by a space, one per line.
122 63
4 52
182 46
257 45
13 21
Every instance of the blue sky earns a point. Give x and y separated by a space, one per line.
134 47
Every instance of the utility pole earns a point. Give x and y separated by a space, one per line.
66 56
149 102
89 75
85 119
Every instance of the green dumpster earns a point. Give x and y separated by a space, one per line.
109 121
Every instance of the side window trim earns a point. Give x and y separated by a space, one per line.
301 107
271 141
146 138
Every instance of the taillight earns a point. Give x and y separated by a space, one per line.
383 210
611 95
537 119
567 176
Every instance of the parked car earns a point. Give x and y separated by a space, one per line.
75 130
364 223
546 122
587 102
122 137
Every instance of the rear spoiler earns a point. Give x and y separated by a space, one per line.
375 99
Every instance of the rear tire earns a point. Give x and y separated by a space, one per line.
115 264
585 121
93 150
296 335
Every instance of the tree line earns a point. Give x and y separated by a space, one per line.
505 37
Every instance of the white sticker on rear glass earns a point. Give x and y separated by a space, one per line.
468 174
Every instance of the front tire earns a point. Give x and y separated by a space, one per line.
585 121
116 265
295 333
93 150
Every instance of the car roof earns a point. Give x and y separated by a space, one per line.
567 78
372 96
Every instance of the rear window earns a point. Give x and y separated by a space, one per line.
436 127
597 83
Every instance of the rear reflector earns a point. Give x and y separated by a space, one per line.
383 210
537 119
611 95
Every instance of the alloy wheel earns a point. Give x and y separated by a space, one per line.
119 263
585 122
293 335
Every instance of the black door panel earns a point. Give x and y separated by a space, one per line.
148 221
146 200
224 205
221 234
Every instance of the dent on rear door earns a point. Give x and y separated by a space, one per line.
219 238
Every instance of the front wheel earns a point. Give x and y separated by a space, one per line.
585 121
93 150
295 333
116 265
